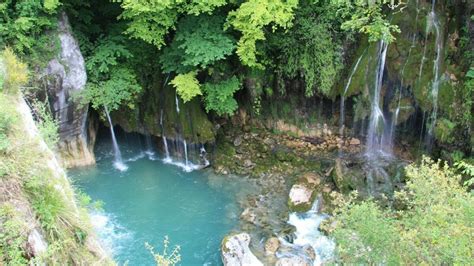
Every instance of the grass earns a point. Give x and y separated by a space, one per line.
31 180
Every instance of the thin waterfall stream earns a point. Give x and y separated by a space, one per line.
434 22
118 162
377 122
343 96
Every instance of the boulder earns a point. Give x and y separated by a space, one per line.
312 178
354 141
238 141
236 252
302 193
272 245
292 261
248 215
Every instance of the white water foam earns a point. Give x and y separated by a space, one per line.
187 167
307 233
111 233
120 166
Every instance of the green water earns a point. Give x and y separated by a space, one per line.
152 199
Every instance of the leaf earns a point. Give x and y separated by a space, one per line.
186 85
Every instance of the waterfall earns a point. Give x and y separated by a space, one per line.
185 152
434 22
343 97
118 162
167 158
177 102
149 148
377 123
307 233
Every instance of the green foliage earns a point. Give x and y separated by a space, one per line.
108 52
444 130
467 170
186 85
219 96
22 22
12 237
15 73
367 17
308 50
51 5
48 204
111 81
165 258
434 225
48 127
366 235
151 20
250 19
120 88
7 119
199 42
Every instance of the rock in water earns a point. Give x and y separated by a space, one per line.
302 193
272 245
236 252
64 76
292 261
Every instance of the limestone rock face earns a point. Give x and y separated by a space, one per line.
236 252
64 76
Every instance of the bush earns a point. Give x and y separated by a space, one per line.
11 238
48 127
7 119
164 258
434 225
15 72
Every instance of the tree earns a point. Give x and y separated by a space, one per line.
111 81
219 97
310 49
22 22
152 20
187 86
367 17
250 19
199 42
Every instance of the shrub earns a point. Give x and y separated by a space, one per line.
7 119
48 127
434 225
163 258
11 238
15 72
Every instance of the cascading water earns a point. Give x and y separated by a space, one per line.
434 23
185 153
377 125
149 148
343 96
307 233
167 158
177 102
118 162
